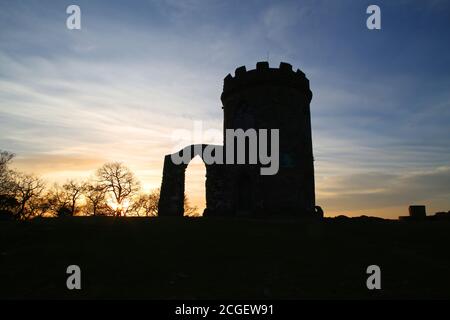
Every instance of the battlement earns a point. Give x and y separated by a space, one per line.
264 75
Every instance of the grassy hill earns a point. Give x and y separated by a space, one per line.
224 258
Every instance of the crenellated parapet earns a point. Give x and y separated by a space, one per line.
283 76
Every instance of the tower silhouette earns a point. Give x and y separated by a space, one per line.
263 98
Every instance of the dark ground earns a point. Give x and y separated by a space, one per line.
211 258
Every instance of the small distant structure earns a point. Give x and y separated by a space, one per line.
416 212
419 213
442 215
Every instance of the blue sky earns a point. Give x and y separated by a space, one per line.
138 70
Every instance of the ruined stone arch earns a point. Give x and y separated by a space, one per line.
171 201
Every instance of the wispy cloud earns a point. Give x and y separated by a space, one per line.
118 88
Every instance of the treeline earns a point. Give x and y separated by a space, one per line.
113 190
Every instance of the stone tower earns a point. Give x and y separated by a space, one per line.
263 98
272 98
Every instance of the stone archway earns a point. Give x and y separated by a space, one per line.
171 200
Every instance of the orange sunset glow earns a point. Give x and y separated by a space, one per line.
117 91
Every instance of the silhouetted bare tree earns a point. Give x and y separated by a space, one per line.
147 204
120 184
58 201
73 191
95 198
27 189
190 211
8 202
65 200
114 191
6 180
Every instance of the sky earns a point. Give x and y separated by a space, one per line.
138 71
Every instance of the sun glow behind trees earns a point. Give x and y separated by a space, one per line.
113 190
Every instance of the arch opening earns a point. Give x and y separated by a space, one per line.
195 188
